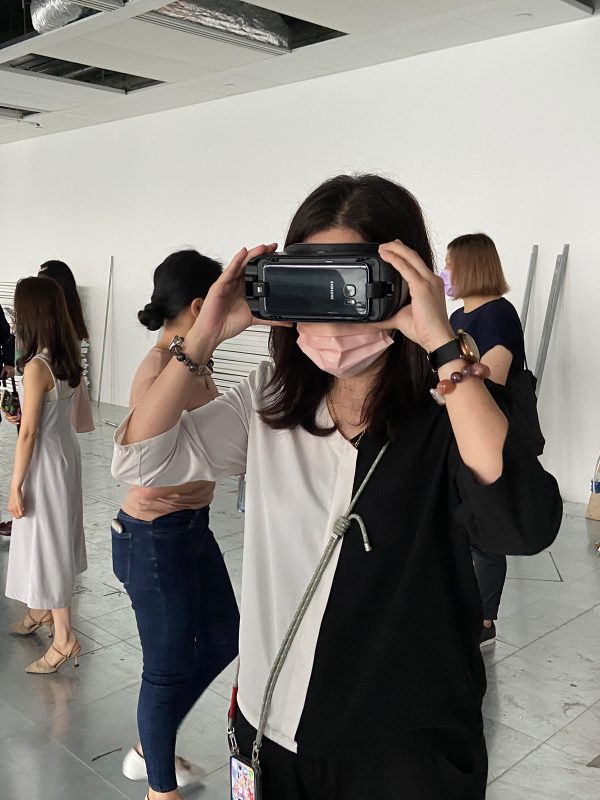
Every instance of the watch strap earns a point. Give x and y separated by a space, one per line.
442 355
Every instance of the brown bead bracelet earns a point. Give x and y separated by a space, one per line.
477 370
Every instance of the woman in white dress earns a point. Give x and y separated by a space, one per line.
48 546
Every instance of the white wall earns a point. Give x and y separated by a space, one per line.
499 136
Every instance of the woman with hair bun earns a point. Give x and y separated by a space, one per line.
166 556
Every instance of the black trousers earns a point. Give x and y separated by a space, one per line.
426 765
490 570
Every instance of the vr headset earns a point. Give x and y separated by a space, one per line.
324 283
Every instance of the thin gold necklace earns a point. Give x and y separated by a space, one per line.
357 439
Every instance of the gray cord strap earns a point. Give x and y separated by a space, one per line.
340 527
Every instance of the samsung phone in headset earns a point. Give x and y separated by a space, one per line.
324 283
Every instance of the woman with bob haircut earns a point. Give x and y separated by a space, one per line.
382 685
47 549
474 274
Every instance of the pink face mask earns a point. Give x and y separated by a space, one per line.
447 278
345 354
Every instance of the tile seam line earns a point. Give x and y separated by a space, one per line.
88 767
558 627
516 764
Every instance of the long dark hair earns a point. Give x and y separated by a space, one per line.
61 273
182 277
380 211
42 321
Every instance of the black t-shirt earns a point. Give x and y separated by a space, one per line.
494 323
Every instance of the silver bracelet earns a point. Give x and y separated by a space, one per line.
176 349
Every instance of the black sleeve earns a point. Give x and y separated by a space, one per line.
500 327
519 514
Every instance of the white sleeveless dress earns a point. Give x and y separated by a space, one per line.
47 549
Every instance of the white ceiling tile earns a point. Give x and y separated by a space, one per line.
146 101
352 16
57 121
436 35
232 82
285 69
513 16
445 6
145 37
351 53
121 59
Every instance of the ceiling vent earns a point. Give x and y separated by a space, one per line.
84 73
239 23
48 15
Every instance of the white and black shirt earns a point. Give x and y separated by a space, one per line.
389 643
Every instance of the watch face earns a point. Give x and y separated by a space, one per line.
469 349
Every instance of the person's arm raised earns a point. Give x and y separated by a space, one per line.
478 424
224 314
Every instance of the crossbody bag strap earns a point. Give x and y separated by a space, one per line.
340 527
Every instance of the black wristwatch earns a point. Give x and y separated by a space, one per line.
462 347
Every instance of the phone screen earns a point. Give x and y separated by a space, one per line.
298 292
243 780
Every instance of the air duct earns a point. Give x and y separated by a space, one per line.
48 15
231 17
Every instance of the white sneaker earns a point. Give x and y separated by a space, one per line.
134 768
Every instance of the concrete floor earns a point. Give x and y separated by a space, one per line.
62 737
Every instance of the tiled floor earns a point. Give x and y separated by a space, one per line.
62 737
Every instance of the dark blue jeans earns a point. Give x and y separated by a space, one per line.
187 618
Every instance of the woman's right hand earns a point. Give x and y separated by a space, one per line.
225 312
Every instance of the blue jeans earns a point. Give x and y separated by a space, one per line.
187 618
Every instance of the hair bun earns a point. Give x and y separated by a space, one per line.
152 316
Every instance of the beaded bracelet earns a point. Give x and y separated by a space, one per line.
477 370
201 370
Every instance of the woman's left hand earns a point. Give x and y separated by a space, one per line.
424 319
15 504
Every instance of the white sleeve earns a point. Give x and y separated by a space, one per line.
205 445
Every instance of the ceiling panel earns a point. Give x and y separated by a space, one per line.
435 35
286 69
121 59
145 37
356 16
146 101
353 52
512 16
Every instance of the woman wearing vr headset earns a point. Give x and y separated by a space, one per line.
382 685
473 273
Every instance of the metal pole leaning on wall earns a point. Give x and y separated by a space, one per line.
557 282
528 285
108 296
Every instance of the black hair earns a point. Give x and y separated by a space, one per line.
182 277
43 321
380 211
61 274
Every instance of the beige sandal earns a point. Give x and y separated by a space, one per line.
43 667
29 624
